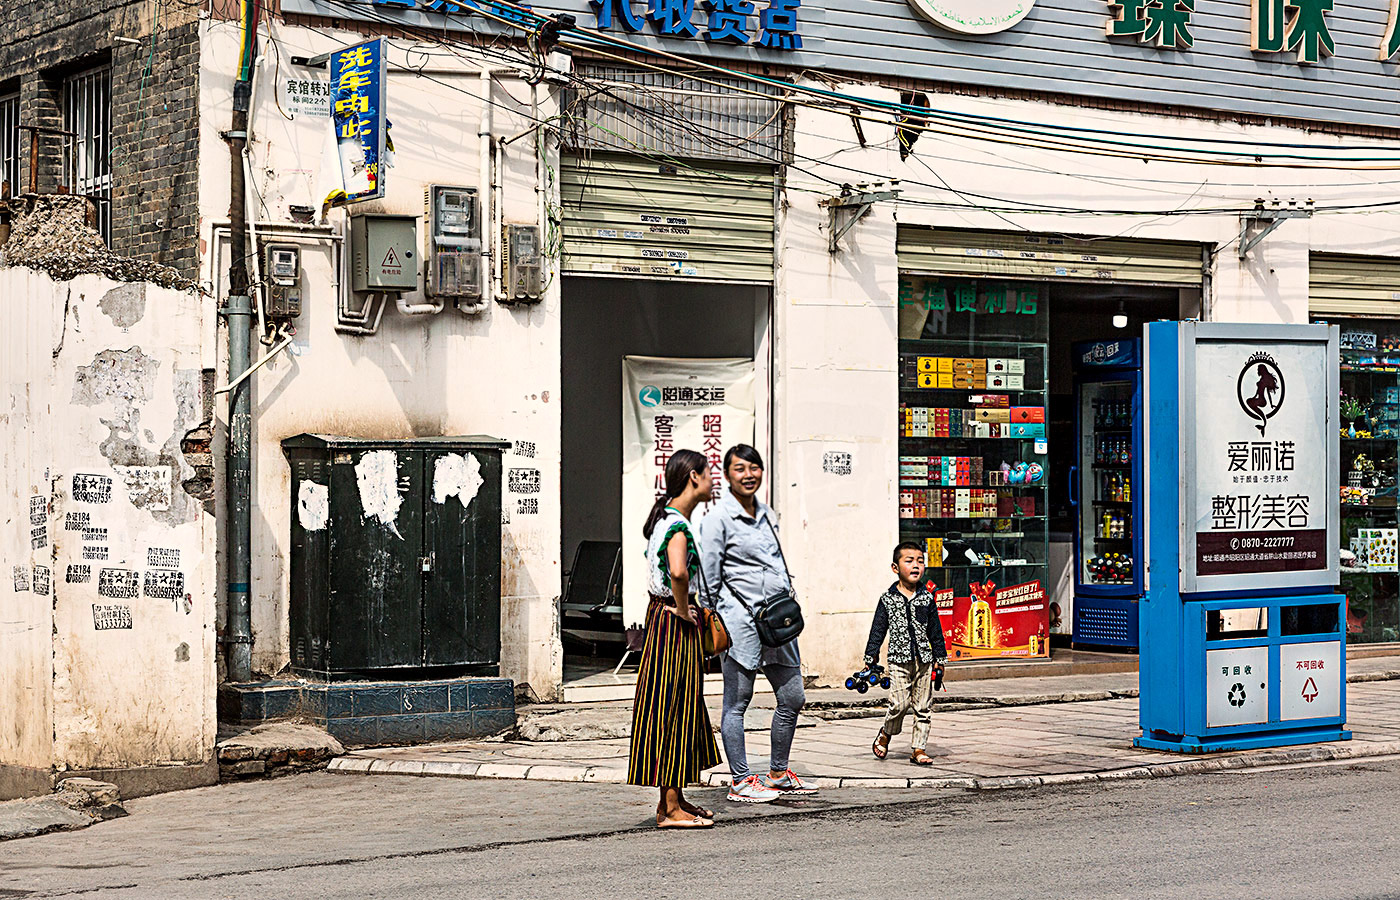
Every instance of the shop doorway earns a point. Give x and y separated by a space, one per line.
1084 312
603 320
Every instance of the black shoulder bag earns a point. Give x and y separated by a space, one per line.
777 618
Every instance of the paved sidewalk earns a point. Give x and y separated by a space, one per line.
1001 746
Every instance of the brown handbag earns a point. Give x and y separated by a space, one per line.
714 637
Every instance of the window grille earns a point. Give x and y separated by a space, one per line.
9 145
87 107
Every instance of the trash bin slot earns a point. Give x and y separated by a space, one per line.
1231 624
1312 618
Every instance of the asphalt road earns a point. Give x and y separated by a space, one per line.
1314 832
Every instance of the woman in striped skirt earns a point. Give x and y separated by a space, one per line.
672 742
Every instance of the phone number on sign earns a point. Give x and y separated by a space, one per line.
1255 543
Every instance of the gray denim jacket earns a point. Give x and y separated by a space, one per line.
740 553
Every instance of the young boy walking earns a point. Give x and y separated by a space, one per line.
907 613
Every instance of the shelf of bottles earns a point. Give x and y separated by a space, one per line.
1106 485
972 445
1370 437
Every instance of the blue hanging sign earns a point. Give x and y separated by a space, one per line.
357 114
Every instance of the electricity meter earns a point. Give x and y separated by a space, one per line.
282 270
453 236
524 279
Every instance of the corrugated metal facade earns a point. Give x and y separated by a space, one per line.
632 217
1059 48
629 109
1340 285
943 251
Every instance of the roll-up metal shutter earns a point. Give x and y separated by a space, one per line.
1340 285
1008 254
630 217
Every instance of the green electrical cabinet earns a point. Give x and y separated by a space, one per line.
395 555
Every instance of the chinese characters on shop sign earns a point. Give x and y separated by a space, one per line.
1010 299
357 114
725 20
1276 26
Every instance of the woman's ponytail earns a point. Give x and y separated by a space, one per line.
678 471
658 512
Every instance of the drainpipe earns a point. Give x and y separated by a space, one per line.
239 655
484 199
1207 284
238 652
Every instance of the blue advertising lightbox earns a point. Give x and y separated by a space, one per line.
1241 630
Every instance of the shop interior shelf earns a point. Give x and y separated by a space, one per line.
966 437
1112 502
912 389
1030 564
920 485
975 519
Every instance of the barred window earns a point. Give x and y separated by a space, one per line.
9 145
87 109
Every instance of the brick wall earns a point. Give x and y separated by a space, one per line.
154 108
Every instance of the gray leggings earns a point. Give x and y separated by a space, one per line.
738 691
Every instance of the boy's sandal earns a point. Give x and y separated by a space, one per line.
881 746
687 821
920 758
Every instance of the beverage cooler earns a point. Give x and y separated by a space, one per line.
1105 493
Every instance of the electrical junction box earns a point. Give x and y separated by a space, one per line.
452 244
524 282
282 270
383 253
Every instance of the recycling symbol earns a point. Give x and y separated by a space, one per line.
1237 694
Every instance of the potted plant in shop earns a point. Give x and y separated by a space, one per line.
1352 410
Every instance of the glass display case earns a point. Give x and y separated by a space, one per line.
972 479
1370 437
1106 492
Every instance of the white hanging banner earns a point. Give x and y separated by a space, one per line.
669 405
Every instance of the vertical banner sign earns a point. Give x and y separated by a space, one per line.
357 115
1264 428
669 405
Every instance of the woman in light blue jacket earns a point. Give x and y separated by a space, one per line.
743 566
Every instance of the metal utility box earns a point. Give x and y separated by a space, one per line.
524 281
383 253
283 270
1242 635
396 555
452 242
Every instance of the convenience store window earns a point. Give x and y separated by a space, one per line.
1370 438
973 457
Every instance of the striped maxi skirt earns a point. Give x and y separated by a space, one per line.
672 742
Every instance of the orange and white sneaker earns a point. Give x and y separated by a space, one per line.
751 789
790 785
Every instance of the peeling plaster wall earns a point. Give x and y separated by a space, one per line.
116 663
496 373
26 617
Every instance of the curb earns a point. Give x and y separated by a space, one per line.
360 765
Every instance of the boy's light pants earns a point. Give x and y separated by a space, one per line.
911 688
